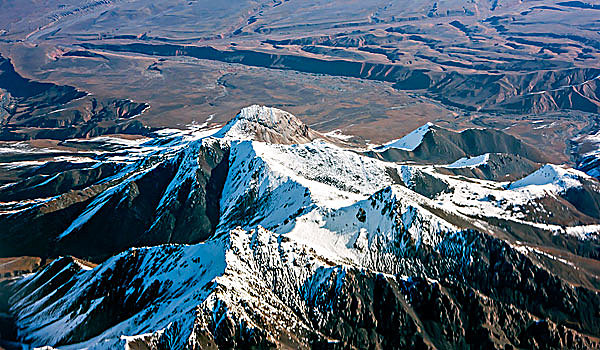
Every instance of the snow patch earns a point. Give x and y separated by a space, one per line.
584 232
337 133
469 162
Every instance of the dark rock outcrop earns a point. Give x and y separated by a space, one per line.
143 204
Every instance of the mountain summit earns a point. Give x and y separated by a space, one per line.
268 124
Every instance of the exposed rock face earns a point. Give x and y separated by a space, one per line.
268 124
277 293
294 242
34 110
442 146
168 199
497 167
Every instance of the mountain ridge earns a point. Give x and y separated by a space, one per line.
437 145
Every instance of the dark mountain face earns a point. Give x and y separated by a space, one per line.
443 146
149 202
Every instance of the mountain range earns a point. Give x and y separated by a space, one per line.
266 233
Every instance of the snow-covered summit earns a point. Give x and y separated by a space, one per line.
267 124
409 142
551 175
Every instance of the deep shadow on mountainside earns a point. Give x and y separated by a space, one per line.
133 203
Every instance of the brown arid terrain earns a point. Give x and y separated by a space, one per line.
373 69
10 267
190 174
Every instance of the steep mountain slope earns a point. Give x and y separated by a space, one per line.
256 289
587 153
491 166
575 186
311 245
160 190
158 198
433 144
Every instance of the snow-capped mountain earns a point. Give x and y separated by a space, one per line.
469 162
269 125
408 142
264 233
432 144
561 179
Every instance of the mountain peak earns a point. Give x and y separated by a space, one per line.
267 124
551 174
410 141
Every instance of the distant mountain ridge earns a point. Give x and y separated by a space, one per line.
434 144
